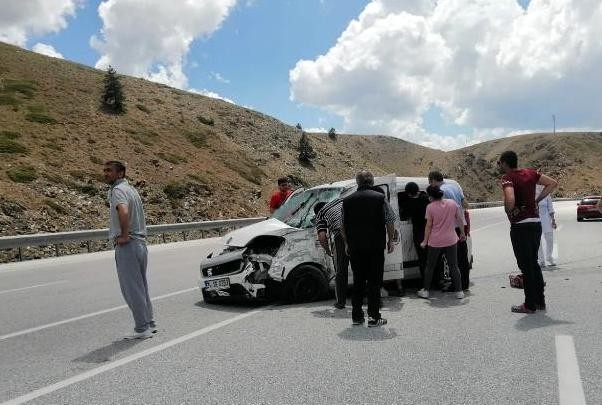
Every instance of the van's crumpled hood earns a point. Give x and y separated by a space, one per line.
242 236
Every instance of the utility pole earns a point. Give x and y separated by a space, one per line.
554 122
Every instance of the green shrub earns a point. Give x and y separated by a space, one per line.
55 206
142 107
144 136
172 158
96 160
201 179
206 121
41 118
247 171
89 189
9 146
9 135
197 138
53 146
27 88
22 174
8 99
175 190
78 175
158 101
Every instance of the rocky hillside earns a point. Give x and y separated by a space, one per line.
196 158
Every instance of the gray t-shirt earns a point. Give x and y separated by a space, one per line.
122 193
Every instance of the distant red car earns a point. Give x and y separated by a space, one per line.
586 208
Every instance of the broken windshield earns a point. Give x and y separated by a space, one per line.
298 210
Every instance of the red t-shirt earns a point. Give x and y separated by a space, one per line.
278 198
523 181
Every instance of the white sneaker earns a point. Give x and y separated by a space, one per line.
542 264
422 293
552 262
140 335
459 295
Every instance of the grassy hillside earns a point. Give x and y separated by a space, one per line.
198 158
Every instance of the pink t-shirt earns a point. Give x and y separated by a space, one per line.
443 215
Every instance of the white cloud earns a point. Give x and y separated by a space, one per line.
489 65
19 20
151 38
208 93
219 78
316 130
47 50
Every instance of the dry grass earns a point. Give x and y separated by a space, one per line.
215 159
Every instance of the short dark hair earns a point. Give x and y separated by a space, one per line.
510 158
117 165
435 175
412 188
318 207
282 180
434 191
364 179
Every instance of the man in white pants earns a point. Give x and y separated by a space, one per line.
548 225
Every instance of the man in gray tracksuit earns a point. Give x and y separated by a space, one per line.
127 232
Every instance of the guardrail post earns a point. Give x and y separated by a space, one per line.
56 249
88 245
20 254
163 237
184 234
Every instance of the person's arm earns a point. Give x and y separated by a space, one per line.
391 237
509 200
460 223
323 238
551 212
427 231
549 185
124 223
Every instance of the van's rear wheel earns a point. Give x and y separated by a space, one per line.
306 284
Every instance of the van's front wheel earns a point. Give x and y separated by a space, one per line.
306 284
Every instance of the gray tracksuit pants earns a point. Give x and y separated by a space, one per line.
131 260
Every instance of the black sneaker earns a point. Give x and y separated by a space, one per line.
372 323
339 305
358 321
540 307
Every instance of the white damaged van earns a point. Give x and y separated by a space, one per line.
281 256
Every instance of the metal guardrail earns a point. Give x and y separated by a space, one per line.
501 203
39 239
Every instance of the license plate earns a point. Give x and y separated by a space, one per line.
219 284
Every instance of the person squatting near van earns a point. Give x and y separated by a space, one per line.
443 216
520 204
127 231
366 215
329 221
548 225
453 191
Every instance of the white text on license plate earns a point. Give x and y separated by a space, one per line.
220 283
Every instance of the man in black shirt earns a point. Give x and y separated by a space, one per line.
366 214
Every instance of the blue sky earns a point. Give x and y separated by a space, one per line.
443 74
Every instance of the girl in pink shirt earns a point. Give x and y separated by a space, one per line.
442 218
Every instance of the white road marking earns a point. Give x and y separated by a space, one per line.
78 318
569 380
118 363
33 286
489 226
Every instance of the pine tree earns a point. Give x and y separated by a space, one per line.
112 96
332 134
299 126
306 151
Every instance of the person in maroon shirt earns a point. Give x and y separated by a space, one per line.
280 196
521 206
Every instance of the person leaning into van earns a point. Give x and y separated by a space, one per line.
329 223
443 216
366 215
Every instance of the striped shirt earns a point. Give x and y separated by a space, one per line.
330 217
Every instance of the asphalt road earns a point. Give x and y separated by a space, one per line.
61 322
